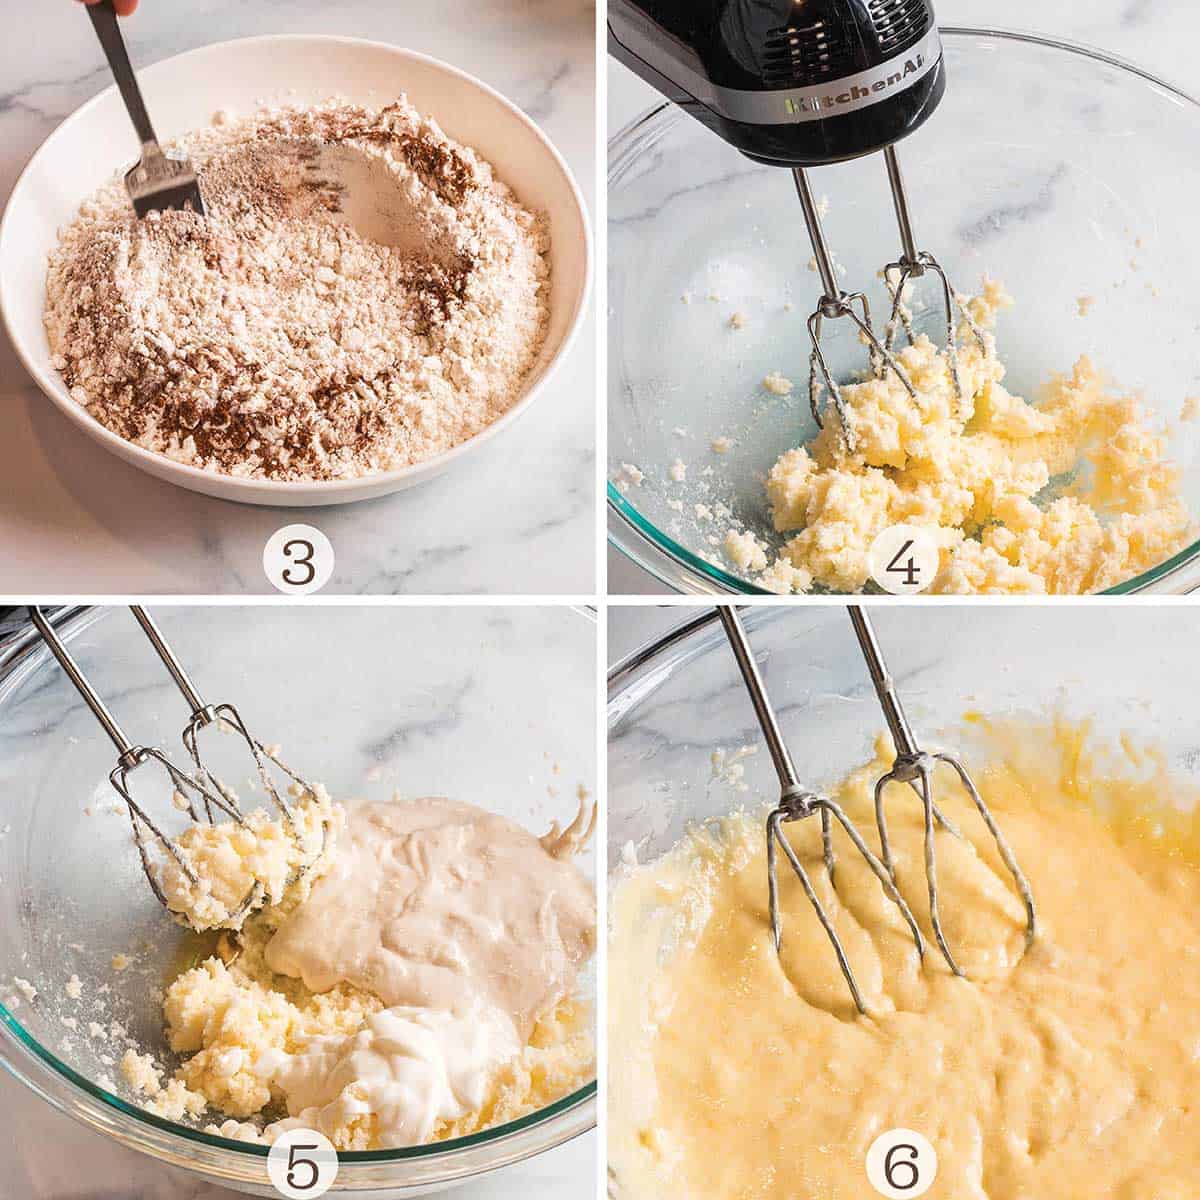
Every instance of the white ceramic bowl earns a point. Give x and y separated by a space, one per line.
182 94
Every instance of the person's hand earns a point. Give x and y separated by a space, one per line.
123 7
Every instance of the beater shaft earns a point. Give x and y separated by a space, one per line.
881 679
912 264
125 748
172 663
900 200
835 303
735 631
816 235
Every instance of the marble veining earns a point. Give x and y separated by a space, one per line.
76 520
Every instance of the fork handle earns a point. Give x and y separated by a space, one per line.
104 21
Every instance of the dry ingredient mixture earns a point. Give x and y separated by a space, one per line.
418 983
271 340
1065 1072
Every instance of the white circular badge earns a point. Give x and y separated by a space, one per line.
302 1164
903 559
901 1163
298 560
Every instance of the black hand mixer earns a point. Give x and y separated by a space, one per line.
798 84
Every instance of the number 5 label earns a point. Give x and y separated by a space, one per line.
903 559
298 560
302 1164
901 1163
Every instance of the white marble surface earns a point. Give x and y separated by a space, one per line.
492 704
1156 34
519 518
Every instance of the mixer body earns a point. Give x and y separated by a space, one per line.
795 83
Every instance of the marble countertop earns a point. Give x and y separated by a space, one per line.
75 520
1156 34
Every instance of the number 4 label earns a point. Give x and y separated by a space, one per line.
904 559
302 1164
901 1163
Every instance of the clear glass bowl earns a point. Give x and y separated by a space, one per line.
1051 167
676 700
478 703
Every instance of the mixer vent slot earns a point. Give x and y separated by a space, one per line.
801 55
899 23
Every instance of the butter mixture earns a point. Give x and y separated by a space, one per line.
423 987
981 475
1065 1072
238 868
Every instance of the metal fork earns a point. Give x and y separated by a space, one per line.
161 179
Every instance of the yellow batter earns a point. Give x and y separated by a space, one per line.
969 470
1067 1072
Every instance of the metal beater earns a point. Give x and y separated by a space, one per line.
916 767
195 794
913 263
225 716
795 804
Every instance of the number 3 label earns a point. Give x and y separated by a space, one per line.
901 1163
903 559
298 560
302 1164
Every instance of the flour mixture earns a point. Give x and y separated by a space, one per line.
1064 1073
273 341
423 987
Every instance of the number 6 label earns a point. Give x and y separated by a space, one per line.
298 560
302 1164
901 1163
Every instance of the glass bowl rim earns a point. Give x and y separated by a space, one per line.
657 120
21 654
